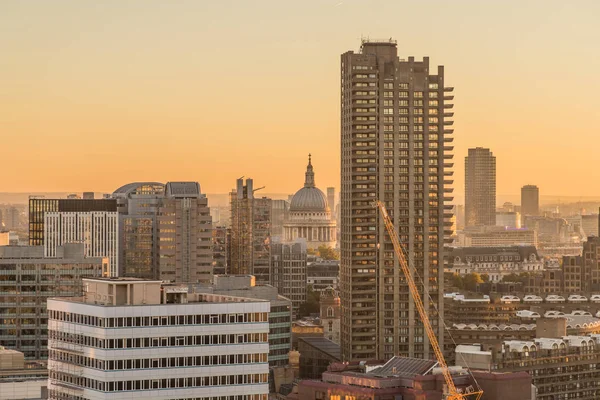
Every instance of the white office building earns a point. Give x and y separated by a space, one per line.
97 230
131 339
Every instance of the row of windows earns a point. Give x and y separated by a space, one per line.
152 384
202 319
134 343
147 363
57 395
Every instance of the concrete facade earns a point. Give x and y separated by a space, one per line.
396 148
288 272
18 382
280 314
183 346
28 280
546 359
497 236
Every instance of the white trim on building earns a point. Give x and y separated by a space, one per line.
97 230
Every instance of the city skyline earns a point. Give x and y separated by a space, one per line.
173 80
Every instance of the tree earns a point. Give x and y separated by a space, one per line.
471 280
485 278
312 303
457 281
328 253
523 278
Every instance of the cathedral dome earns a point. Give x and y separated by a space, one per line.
309 198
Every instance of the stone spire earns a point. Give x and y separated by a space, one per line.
309 181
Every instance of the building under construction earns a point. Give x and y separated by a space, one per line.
250 232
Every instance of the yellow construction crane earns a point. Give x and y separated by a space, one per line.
453 393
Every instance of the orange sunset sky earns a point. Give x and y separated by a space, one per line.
96 94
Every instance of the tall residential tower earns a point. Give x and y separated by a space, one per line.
396 148
480 187
530 200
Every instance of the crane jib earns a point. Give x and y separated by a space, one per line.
453 392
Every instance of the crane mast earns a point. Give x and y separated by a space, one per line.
453 393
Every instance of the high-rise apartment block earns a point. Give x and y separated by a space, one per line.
97 230
132 339
250 232
530 200
166 231
480 187
21 380
27 279
288 272
395 148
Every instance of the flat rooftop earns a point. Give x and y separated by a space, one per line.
124 279
324 345
405 367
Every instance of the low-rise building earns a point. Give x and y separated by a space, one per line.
127 338
508 219
408 379
559 366
496 262
322 274
19 380
497 236
305 327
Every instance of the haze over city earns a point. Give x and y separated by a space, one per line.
310 200
95 94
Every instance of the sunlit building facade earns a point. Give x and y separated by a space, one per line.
27 279
166 231
530 200
39 206
396 147
138 205
135 339
309 217
480 187
97 230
